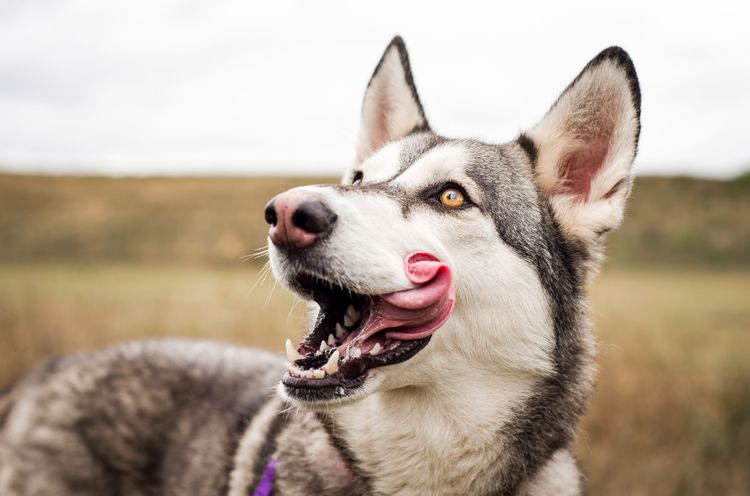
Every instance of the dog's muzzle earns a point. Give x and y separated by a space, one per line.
298 219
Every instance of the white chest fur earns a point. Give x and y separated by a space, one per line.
440 439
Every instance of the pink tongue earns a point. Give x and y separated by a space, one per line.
435 278
414 313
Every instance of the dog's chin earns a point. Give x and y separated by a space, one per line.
356 337
322 399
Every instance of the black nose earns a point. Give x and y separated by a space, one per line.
270 213
313 216
298 219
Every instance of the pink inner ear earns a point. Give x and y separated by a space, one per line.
580 167
380 132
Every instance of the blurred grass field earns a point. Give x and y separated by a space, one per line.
86 262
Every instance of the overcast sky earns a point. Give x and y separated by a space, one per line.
174 87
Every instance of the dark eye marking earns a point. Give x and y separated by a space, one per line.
357 177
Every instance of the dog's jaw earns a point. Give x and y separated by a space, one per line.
479 367
409 439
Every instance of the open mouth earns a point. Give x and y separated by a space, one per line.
355 333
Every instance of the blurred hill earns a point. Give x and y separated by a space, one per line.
679 221
670 221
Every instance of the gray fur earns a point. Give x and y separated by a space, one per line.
164 417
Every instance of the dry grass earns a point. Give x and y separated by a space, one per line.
671 414
51 309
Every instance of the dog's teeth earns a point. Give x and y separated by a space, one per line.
376 349
318 374
356 353
340 332
331 340
332 365
323 346
309 374
351 317
291 354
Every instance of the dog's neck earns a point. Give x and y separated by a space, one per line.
426 439
444 433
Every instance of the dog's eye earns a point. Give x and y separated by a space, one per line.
452 197
357 177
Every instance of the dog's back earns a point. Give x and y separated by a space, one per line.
131 419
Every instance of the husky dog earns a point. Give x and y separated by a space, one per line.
451 352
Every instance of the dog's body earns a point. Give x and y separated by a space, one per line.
451 354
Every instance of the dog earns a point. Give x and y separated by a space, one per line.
450 350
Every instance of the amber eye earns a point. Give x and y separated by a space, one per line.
452 197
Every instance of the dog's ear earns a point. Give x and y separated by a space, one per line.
391 108
585 146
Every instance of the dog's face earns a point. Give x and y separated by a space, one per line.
435 255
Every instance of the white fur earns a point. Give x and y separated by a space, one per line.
249 447
559 477
381 165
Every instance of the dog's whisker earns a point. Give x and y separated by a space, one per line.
266 272
295 303
271 293
290 408
258 253
260 277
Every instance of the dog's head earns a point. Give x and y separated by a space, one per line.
436 255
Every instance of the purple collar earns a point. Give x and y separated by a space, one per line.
265 486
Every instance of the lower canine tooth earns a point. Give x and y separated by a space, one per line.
332 365
376 349
318 374
331 340
292 354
